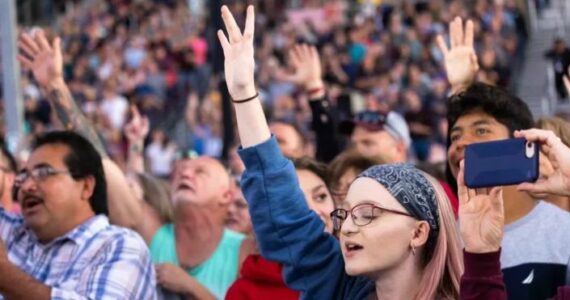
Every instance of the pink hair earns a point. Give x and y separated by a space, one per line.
443 270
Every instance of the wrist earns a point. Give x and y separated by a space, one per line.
243 92
136 147
481 250
54 84
314 84
458 88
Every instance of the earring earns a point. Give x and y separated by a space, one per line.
413 250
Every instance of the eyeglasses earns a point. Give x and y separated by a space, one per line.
38 174
362 215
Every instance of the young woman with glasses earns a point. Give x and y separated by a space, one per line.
398 240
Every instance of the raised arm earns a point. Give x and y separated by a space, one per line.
239 67
308 75
45 62
460 59
286 229
136 131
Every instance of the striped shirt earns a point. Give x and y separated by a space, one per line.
94 261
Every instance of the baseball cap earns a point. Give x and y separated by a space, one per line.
391 122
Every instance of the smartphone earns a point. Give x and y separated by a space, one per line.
500 163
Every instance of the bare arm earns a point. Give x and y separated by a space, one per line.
45 61
239 71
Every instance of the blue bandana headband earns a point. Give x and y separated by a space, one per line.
411 189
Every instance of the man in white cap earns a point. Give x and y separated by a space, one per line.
375 133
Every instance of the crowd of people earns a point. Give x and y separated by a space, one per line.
327 194
160 56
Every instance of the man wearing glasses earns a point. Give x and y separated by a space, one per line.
7 172
62 247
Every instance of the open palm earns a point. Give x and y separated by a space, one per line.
239 61
481 217
460 60
307 63
43 59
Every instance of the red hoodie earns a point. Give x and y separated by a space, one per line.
260 279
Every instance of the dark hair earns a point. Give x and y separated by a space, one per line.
507 109
81 161
309 164
11 162
352 159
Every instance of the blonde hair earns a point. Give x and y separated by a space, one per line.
442 273
560 127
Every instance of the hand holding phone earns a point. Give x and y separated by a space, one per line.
500 163
558 182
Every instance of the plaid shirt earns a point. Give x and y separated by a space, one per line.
93 261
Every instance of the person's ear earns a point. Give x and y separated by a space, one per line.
226 198
9 178
88 187
402 149
420 234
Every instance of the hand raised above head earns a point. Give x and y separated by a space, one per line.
460 59
239 63
307 63
44 60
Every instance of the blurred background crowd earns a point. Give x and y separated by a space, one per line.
159 56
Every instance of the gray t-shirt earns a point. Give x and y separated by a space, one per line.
536 253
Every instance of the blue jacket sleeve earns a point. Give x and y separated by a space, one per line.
286 230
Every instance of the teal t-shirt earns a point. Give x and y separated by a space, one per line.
217 273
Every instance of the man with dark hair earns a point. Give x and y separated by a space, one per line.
63 247
7 172
535 253
204 203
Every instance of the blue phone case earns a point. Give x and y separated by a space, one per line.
500 163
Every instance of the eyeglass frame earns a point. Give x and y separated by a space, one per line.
351 213
18 183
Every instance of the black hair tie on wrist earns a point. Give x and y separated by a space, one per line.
247 99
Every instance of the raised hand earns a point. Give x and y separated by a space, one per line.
137 128
460 60
307 63
44 60
481 216
558 182
239 61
